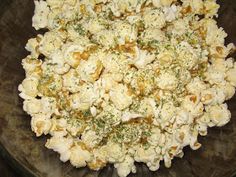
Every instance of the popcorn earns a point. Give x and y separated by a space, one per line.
55 4
211 8
230 76
90 70
119 96
60 65
166 2
196 86
170 13
192 104
71 81
50 42
72 54
183 117
219 114
167 80
228 90
213 96
32 106
85 98
129 116
143 155
29 88
105 38
40 15
79 157
143 58
125 167
125 81
153 34
40 124
90 138
32 46
155 137
180 26
214 35
115 153
62 146
125 32
154 19
95 25
121 6
167 113
31 66
197 5
58 127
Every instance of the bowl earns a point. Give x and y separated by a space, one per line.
27 154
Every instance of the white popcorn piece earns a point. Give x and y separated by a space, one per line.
61 67
167 81
183 117
79 157
166 2
62 146
156 137
213 96
93 111
90 70
124 168
170 13
148 156
50 42
40 124
228 90
105 38
211 7
230 76
90 138
153 34
143 58
40 15
72 54
85 98
115 152
196 86
58 127
32 46
125 32
154 19
120 97
219 114
129 116
28 88
71 81
193 105
31 66
55 4
32 106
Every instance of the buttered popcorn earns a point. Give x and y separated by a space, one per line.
119 81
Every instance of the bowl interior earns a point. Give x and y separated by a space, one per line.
27 154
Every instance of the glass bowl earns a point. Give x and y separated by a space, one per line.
27 154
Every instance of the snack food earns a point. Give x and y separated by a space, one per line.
125 81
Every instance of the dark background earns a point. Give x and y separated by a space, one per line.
6 170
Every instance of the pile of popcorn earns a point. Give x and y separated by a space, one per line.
119 81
